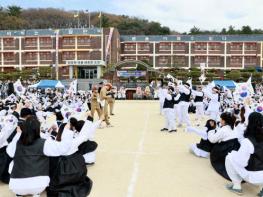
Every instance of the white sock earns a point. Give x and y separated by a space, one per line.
236 186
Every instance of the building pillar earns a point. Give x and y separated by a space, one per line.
189 54
154 60
136 50
76 47
225 54
38 51
57 51
2 54
71 71
261 51
172 52
98 72
207 52
243 55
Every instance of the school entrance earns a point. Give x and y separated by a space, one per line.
87 72
85 69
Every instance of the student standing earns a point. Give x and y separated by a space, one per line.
198 103
185 93
168 110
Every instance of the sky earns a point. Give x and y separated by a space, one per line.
179 15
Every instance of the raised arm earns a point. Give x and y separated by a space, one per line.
11 148
7 130
183 89
202 132
54 148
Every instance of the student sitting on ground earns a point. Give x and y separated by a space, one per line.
246 164
204 147
30 153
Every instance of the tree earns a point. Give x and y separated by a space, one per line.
246 30
234 75
223 31
14 11
194 31
105 21
231 30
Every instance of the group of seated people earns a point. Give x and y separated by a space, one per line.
234 146
37 154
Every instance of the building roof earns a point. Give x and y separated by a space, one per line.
198 38
50 32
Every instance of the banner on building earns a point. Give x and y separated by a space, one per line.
128 74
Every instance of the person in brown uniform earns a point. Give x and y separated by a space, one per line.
111 99
104 102
95 104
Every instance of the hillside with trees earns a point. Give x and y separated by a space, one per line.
15 17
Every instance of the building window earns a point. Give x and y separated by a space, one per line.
214 47
143 47
179 47
163 60
9 57
200 46
30 42
129 47
251 60
165 47
214 60
236 60
9 42
199 59
86 41
251 46
68 55
45 56
144 58
179 60
45 41
236 46
31 56
68 41
83 55
129 58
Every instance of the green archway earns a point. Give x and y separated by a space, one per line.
148 68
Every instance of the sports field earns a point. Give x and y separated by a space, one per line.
135 159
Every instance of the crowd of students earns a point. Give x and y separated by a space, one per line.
47 140
232 137
47 137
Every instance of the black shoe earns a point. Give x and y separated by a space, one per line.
164 129
172 131
90 164
112 114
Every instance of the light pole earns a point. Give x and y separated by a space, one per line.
88 12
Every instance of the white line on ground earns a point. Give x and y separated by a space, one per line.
136 159
129 152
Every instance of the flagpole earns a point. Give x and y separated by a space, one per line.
100 19
78 20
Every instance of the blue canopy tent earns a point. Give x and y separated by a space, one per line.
230 84
49 84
